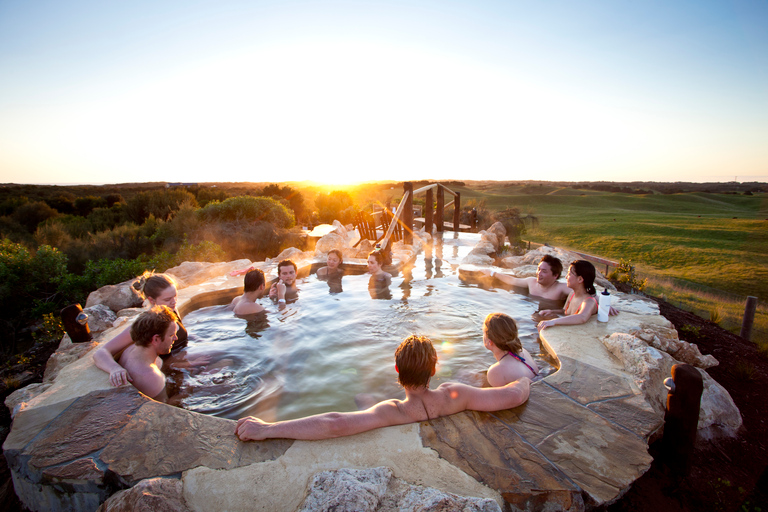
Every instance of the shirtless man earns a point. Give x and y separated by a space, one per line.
544 285
285 287
253 288
415 362
153 334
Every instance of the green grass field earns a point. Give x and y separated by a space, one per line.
716 242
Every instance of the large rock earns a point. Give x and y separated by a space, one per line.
191 273
64 357
115 296
100 318
666 339
718 414
150 495
498 229
480 254
341 230
375 490
329 242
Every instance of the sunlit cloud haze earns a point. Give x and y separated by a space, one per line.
351 91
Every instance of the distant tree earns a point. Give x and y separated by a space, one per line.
292 196
62 203
30 215
162 204
336 205
10 204
113 199
205 195
85 205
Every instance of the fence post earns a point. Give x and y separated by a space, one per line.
749 317
456 212
439 209
429 212
408 214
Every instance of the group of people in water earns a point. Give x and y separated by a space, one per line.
158 337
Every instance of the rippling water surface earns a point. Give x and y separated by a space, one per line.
327 348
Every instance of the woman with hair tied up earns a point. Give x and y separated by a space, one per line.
581 303
158 290
512 360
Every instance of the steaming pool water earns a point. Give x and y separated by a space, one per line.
319 353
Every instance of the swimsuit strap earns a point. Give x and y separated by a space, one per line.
521 359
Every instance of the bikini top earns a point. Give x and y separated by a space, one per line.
522 360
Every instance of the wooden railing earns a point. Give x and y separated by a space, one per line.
404 212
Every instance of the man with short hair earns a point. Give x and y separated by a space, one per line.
415 363
253 288
544 285
153 334
285 287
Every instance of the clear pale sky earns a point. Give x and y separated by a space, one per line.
337 91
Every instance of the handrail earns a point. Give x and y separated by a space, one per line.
448 190
425 188
433 185
395 220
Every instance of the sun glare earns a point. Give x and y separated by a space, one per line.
339 115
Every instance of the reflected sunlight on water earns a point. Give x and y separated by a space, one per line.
323 350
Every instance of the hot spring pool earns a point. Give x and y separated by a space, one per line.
323 350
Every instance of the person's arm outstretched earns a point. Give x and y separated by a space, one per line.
506 278
323 426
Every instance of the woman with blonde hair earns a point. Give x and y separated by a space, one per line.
512 360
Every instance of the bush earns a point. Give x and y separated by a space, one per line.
85 205
246 208
336 205
29 288
161 204
30 215
626 273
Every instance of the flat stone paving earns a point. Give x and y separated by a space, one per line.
579 441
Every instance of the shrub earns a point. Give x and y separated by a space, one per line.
30 215
626 273
85 205
29 287
336 205
716 315
246 208
161 204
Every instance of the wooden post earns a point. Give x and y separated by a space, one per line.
749 317
439 209
457 212
408 213
428 212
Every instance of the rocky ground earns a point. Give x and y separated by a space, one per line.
726 475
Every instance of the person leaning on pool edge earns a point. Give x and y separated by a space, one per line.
415 363
544 285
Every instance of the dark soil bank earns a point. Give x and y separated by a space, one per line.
726 474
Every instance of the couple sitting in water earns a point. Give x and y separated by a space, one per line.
415 364
578 291
157 337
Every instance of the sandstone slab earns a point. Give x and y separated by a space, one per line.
598 456
174 440
495 454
